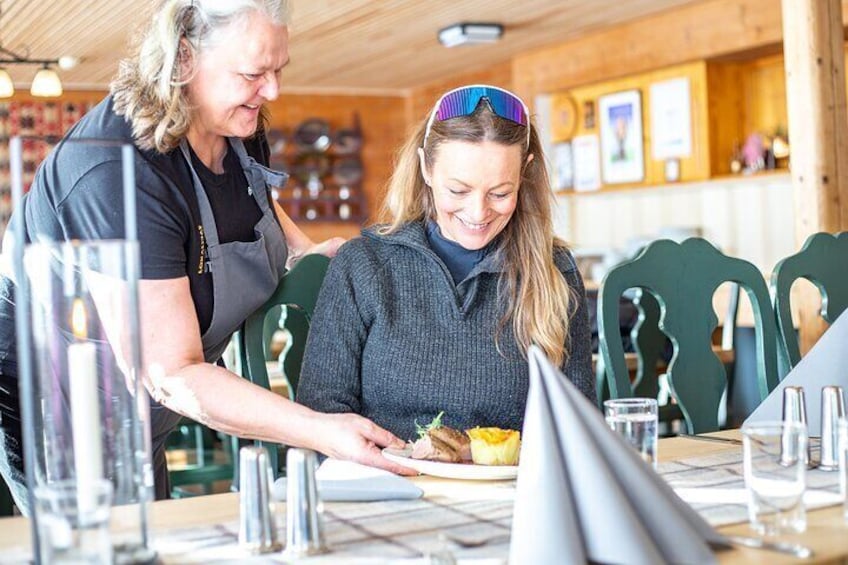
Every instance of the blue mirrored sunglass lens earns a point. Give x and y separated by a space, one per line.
464 102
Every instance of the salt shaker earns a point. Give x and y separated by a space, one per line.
795 410
832 408
257 524
304 528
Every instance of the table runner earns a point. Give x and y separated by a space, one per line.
407 531
720 476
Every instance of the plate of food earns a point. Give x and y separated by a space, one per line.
483 454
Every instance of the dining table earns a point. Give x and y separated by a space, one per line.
454 515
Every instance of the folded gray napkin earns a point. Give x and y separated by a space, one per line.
345 481
823 365
584 494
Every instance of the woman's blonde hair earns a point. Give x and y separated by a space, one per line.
536 297
149 89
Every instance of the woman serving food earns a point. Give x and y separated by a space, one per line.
434 310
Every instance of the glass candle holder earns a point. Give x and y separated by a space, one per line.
91 411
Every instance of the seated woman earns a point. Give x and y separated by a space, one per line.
434 311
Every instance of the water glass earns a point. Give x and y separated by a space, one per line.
775 476
635 419
73 523
842 456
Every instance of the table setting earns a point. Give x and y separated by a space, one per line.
580 485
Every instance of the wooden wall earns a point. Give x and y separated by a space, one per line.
383 122
23 95
420 100
382 118
702 30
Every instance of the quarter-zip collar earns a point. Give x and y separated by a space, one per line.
413 236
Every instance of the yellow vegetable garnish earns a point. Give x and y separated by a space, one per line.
494 446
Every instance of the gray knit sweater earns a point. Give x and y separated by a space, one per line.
394 339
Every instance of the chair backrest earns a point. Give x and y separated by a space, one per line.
297 292
682 279
823 260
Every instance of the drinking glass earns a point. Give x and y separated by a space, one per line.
775 476
842 456
73 522
635 419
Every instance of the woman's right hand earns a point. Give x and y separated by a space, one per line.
354 438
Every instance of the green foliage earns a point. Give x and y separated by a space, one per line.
436 423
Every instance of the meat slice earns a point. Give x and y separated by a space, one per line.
457 441
434 449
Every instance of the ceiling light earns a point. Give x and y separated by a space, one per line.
7 88
68 62
468 33
46 83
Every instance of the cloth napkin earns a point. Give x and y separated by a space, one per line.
823 365
345 481
583 494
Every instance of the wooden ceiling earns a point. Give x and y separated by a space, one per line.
357 46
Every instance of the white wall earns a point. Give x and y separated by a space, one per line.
750 217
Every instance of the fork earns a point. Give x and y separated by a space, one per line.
469 543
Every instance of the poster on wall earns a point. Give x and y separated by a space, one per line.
563 166
586 162
671 119
621 137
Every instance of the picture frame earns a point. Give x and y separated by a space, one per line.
586 160
563 163
588 114
622 149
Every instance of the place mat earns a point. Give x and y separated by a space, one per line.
385 532
714 485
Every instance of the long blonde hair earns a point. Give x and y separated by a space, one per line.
537 299
149 89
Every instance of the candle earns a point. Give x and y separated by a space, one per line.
85 413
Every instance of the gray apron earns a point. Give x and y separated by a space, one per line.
244 274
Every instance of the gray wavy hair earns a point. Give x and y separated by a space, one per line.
148 89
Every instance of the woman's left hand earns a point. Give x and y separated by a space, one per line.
328 247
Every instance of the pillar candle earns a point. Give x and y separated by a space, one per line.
85 419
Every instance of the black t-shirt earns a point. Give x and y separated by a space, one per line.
78 194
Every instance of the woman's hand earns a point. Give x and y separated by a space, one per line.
328 247
352 437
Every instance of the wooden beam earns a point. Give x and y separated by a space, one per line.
818 129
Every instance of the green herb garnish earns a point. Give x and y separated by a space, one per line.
436 423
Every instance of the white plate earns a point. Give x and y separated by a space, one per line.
452 470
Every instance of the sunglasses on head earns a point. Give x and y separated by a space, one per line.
464 100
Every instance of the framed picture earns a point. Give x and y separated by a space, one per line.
563 166
586 159
589 114
622 155
671 119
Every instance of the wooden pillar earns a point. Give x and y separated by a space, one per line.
818 130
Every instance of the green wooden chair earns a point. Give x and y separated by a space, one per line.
298 294
823 260
213 462
682 279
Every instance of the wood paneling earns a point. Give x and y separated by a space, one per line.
421 100
382 119
694 167
699 30
349 46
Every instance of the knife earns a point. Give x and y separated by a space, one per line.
712 438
